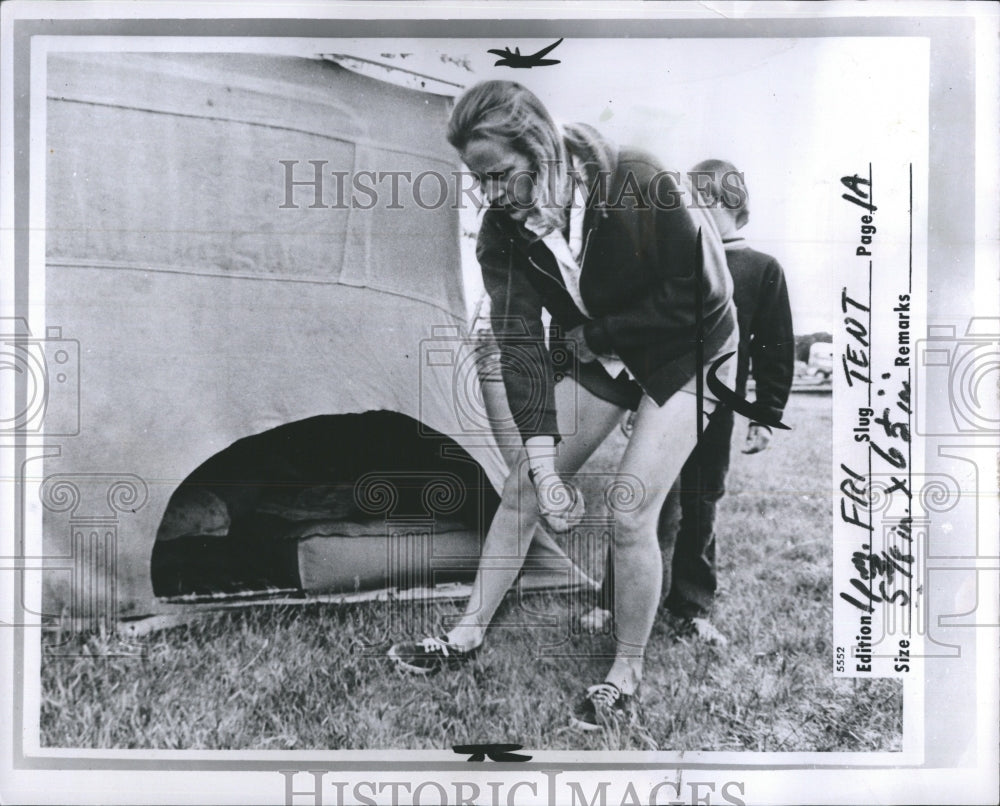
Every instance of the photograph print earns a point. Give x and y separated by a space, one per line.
421 398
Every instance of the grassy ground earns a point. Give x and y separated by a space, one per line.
316 676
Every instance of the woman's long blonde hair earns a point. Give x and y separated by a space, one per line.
510 113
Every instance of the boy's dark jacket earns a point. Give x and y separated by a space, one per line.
638 269
767 341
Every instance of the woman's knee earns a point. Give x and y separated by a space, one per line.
636 526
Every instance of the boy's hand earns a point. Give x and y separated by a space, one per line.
758 438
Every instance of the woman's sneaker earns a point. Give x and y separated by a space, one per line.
429 655
602 706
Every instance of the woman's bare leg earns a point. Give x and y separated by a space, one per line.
663 438
585 420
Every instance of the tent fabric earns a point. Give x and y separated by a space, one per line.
183 171
201 312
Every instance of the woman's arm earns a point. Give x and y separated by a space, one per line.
526 367
516 319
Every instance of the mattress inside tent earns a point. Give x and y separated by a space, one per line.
332 504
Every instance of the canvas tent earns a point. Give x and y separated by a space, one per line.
248 395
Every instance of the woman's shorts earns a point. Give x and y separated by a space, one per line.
626 393
621 391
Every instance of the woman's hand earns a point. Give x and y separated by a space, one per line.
560 502
583 352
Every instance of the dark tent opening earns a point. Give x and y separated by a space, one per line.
330 504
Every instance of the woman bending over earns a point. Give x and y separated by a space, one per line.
637 288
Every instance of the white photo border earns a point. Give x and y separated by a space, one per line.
957 699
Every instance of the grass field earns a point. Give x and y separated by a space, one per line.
316 676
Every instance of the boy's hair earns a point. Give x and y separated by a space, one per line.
719 181
508 112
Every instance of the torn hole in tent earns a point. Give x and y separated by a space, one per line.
330 504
